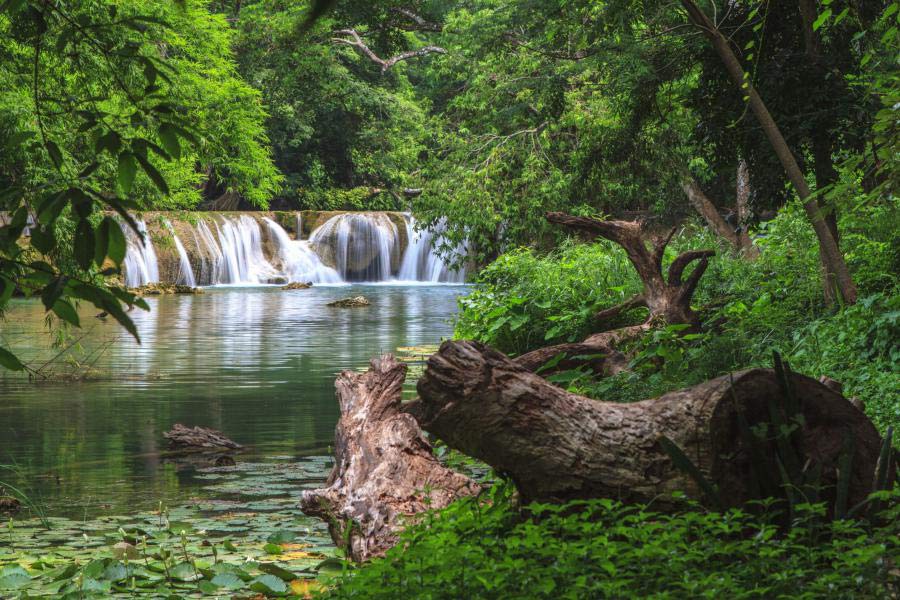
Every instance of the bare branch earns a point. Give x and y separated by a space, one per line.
612 311
676 269
421 24
357 42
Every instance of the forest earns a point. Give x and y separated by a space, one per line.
449 299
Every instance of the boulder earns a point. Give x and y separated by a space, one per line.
350 302
298 285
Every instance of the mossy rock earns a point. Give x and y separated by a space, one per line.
350 302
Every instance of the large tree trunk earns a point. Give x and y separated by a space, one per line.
837 274
742 205
668 299
385 472
704 206
558 446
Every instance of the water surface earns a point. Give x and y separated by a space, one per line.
257 363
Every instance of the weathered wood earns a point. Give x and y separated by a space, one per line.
198 439
557 446
667 298
385 472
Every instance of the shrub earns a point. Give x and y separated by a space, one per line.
605 549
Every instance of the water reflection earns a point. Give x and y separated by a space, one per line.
257 363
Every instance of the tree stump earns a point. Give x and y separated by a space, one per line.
385 472
558 446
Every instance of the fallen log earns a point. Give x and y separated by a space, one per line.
557 446
385 472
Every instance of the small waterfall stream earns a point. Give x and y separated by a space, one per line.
254 249
141 264
421 261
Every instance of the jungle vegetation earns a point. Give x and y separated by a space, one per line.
766 132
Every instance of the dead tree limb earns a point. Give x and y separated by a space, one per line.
667 300
558 446
385 472
357 42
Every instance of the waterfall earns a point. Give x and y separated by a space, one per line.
185 271
253 249
362 246
141 264
421 262
298 260
299 227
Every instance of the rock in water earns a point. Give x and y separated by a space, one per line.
158 289
350 302
298 285
198 439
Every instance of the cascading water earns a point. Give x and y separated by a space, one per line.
298 261
217 249
185 271
141 263
362 246
421 262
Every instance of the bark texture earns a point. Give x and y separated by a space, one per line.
667 298
558 446
704 206
385 472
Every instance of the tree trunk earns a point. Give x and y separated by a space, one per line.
668 300
558 446
742 205
703 205
384 471
837 274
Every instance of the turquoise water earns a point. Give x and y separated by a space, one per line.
257 363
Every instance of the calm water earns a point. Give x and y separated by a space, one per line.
255 363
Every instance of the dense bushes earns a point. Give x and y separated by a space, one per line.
604 549
526 300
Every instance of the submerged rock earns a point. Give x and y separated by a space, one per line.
277 280
198 439
298 285
350 302
158 289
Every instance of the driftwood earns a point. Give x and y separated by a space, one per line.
667 298
385 472
198 439
558 446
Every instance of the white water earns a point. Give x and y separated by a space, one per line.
185 271
231 249
421 261
363 246
299 262
141 264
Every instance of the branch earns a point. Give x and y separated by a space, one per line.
421 23
620 232
612 311
687 290
676 269
385 64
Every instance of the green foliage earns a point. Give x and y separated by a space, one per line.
604 549
525 300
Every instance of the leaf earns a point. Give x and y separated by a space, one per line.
826 14
53 291
84 244
272 549
9 361
154 175
281 537
280 572
110 141
117 247
55 153
685 464
169 139
127 171
101 243
268 584
228 581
